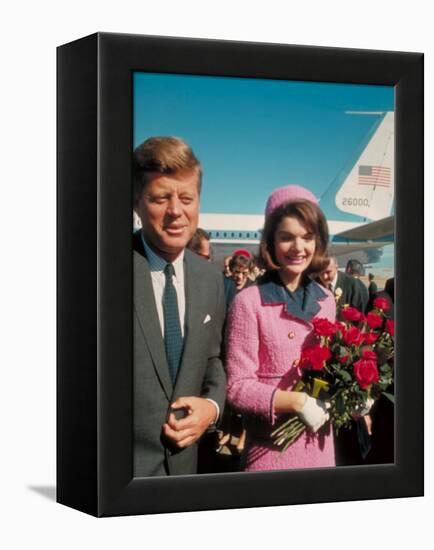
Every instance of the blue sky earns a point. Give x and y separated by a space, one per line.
253 135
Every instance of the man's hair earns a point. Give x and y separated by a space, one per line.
312 218
240 261
195 242
164 155
371 276
331 260
354 267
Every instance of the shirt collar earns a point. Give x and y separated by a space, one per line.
302 303
158 264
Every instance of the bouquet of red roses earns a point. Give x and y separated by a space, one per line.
350 365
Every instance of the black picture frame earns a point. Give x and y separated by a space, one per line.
94 373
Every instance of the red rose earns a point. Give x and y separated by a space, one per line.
351 314
369 337
381 303
374 320
366 372
323 327
390 327
369 354
315 357
353 336
344 359
306 358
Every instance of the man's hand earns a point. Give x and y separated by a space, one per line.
200 414
368 422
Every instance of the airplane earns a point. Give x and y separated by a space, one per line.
358 204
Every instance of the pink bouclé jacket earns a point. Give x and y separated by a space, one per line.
267 330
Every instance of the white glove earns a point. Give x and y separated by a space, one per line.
314 413
364 408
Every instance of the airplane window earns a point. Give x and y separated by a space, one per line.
224 234
248 235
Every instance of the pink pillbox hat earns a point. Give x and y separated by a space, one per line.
289 193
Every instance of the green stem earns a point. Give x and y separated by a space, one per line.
284 425
294 438
288 433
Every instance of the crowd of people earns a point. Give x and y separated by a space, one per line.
217 347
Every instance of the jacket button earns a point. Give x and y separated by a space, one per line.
291 335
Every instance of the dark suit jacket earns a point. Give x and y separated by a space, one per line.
361 295
201 371
346 284
354 292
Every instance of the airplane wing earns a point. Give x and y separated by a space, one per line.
379 230
370 235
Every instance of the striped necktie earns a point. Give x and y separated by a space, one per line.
173 340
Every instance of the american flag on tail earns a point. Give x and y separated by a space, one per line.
375 175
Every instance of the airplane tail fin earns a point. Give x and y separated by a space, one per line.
368 189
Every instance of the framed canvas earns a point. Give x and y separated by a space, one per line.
101 79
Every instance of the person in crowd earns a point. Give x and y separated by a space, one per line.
256 271
240 266
226 270
381 416
354 268
341 284
268 325
381 430
200 244
179 311
389 289
372 287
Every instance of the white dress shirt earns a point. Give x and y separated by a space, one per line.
157 266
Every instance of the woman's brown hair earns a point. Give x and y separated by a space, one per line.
311 217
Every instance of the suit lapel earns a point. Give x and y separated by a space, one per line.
144 303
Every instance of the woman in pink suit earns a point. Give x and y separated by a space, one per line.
268 326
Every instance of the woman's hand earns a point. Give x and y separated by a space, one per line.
314 413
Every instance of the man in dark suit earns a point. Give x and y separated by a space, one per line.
355 270
179 309
343 287
372 287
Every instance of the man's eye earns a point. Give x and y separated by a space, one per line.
158 200
186 200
